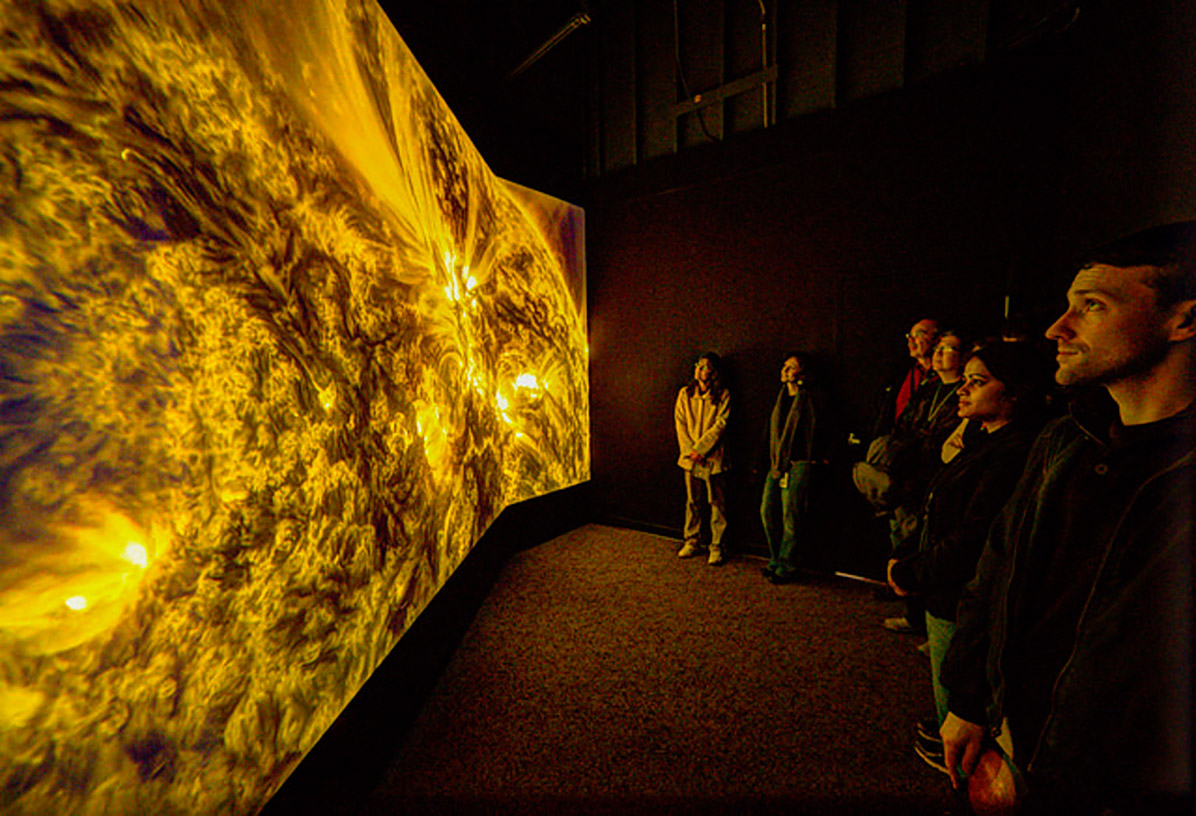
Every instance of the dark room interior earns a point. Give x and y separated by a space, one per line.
940 157
869 163
429 582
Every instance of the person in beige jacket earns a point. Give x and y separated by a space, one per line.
701 418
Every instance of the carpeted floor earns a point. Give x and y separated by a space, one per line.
605 675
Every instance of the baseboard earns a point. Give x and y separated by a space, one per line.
643 526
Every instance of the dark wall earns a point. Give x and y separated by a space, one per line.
1130 121
836 233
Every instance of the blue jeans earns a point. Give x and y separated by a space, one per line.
789 503
939 632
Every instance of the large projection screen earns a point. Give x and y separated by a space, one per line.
276 347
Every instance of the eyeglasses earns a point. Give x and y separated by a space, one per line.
920 334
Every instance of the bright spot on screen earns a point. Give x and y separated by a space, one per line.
328 397
92 562
527 381
503 404
135 553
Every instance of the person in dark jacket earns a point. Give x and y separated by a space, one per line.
1074 650
915 454
798 438
1002 394
892 401
927 422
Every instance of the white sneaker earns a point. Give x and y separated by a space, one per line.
688 550
716 556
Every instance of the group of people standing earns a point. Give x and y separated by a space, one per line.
798 440
1052 561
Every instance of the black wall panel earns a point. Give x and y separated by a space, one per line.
745 55
656 88
871 47
1131 114
807 37
616 25
700 31
944 34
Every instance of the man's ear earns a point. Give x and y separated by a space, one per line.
1182 323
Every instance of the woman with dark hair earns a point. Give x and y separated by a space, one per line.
701 418
1002 392
796 439
933 416
917 454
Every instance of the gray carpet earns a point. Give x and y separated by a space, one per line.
605 675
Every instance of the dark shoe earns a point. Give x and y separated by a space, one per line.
781 578
928 730
931 755
768 572
898 625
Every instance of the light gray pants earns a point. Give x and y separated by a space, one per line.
699 493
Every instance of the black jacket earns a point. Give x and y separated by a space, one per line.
921 430
884 403
1119 729
964 497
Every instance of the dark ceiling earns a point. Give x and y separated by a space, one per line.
530 127
617 90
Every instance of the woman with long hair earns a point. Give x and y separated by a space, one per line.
1002 392
700 415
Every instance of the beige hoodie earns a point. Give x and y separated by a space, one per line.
700 425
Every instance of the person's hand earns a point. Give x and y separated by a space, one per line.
695 457
962 741
992 788
901 593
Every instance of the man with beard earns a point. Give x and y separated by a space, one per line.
1074 645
